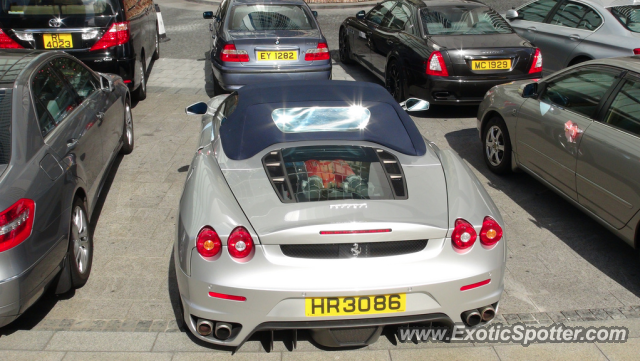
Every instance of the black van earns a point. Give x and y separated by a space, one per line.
110 36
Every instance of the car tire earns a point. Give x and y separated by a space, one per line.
496 146
127 134
394 81
80 251
141 92
217 89
156 54
345 48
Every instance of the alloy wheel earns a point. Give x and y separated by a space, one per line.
494 145
129 125
393 82
80 238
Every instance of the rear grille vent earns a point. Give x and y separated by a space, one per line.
353 250
274 165
394 172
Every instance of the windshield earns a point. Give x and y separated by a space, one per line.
462 20
5 126
270 17
628 16
57 7
320 173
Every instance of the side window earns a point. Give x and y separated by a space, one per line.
624 112
575 15
537 11
53 99
397 17
81 79
377 13
580 91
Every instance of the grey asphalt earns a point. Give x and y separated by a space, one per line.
562 266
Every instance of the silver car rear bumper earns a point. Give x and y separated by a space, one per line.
233 78
275 286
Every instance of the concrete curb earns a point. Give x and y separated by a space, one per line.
313 6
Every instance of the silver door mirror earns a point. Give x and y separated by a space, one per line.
512 15
197 108
415 105
106 83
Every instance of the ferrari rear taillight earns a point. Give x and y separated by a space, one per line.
7 43
636 51
491 232
16 223
536 64
240 243
117 34
463 236
229 53
208 242
436 65
319 53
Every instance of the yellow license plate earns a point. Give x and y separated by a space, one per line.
57 41
502 64
358 305
277 55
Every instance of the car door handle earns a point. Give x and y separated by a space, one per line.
533 28
71 143
574 37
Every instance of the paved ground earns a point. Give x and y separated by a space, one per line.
562 266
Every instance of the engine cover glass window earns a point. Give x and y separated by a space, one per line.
628 16
463 20
270 17
321 119
320 173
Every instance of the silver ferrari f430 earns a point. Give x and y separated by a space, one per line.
319 206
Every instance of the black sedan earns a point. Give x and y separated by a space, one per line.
61 126
447 52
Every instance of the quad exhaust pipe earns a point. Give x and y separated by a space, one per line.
223 330
204 327
471 317
487 313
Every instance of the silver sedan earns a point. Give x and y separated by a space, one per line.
569 32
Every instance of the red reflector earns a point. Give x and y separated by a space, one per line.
358 231
117 34
128 81
475 285
227 297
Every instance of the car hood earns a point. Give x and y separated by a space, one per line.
480 41
424 215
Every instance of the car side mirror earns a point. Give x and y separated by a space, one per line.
207 15
415 105
315 13
106 83
530 90
197 109
512 15
360 15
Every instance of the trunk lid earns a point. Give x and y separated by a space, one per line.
261 44
482 56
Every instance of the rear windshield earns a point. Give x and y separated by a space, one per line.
270 17
335 172
628 16
5 126
57 7
462 20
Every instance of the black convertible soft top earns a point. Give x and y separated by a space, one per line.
250 128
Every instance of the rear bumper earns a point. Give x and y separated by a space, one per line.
457 90
233 78
275 287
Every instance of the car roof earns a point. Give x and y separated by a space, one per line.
611 3
279 2
626 62
250 128
12 62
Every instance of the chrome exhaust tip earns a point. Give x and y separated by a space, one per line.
471 317
204 327
223 330
487 313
